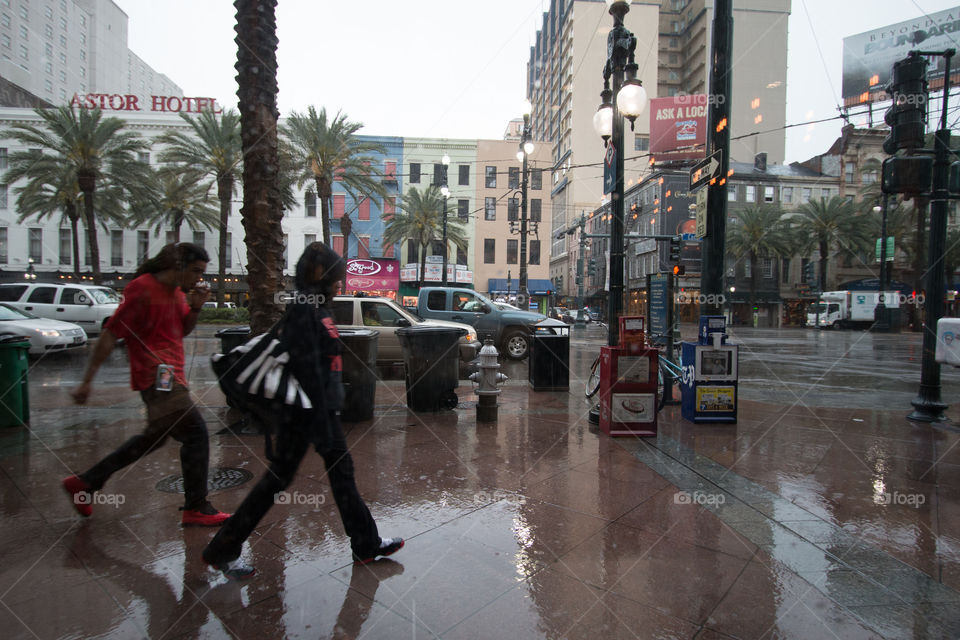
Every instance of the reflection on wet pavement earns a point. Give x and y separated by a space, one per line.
804 519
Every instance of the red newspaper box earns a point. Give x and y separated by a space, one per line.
628 390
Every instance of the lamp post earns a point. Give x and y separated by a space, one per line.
620 80
526 148
30 273
881 320
445 192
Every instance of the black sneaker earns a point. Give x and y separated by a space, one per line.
235 569
388 547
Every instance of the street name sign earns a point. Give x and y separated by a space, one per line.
702 213
705 171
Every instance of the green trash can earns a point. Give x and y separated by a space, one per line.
14 392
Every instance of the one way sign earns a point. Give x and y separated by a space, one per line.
705 170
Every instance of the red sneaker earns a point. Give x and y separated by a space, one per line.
205 516
80 495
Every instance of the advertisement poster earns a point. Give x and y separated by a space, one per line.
678 127
373 274
868 57
633 407
715 398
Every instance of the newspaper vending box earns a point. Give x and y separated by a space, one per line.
628 383
710 393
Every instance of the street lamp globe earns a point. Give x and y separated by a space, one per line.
631 99
445 160
520 155
445 191
528 147
603 120
526 108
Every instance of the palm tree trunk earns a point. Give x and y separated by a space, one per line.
753 281
177 224
824 249
324 194
87 181
262 208
224 193
74 217
423 265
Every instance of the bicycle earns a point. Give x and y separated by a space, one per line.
667 370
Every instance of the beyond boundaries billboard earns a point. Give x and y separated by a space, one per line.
868 57
678 127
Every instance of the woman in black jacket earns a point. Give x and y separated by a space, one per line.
316 363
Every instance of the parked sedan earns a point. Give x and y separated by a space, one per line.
44 334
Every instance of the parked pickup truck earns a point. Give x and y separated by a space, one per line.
509 329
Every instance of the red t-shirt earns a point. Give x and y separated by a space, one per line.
150 319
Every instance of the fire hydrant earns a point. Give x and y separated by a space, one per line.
487 378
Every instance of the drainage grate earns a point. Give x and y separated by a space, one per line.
219 478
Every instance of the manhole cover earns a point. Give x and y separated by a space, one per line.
219 478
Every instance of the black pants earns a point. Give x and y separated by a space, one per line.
169 414
290 447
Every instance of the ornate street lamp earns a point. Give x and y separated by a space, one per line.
620 80
445 192
30 273
525 149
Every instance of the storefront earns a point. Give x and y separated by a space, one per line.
506 290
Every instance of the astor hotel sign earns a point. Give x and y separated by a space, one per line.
130 102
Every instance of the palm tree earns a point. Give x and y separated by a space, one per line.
212 148
180 197
262 208
420 218
328 151
759 232
94 150
831 226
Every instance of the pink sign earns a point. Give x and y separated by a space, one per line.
373 274
678 127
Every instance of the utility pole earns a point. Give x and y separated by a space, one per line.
718 127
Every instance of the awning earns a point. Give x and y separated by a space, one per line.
535 286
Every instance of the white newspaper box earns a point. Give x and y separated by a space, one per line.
948 341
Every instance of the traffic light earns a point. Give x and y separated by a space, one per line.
679 269
912 174
675 249
592 267
808 272
907 114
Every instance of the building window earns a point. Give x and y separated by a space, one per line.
3 245
5 41
308 239
461 257
806 194
415 172
363 209
4 20
310 204
3 196
24 34
143 245
826 193
464 174
536 179
786 194
535 208
463 210
489 208
143 156
767 267
513 178
512 248
750 194
3 159
534 257
339 205
23 52
731 193
513 205
200 238
48 31
36 245
849 170
489 250
116 248
227 260
869 177
66 246
439 174
389 208
413 251
63 23
491 178
48 12
768 194
641 143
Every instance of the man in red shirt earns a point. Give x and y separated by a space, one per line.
153 318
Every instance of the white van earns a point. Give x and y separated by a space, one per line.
84 304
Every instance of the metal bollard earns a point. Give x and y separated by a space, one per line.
487 378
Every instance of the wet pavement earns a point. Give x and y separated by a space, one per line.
821 513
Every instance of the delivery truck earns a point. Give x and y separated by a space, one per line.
848 309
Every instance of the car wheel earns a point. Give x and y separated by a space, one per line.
516 344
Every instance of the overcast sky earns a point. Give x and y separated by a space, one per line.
447 68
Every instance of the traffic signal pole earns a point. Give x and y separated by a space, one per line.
928 406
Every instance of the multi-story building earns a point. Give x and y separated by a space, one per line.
499 179
564 82
59 49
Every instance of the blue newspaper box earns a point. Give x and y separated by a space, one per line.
710 394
